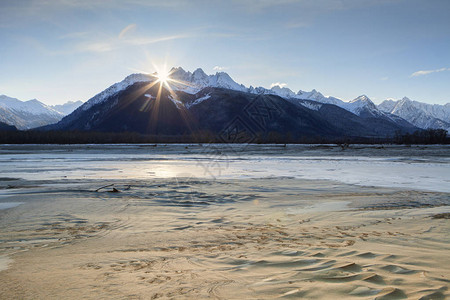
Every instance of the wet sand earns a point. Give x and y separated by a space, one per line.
223 238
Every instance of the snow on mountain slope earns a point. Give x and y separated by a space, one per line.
31 106
420 114
362 105
387 105
435 110
117 87
181 80
26 114
177 102
8 117
317 96
198 101
283 92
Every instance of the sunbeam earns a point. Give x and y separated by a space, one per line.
167 88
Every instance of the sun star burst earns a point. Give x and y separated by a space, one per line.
163 77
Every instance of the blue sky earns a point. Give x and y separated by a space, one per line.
63 50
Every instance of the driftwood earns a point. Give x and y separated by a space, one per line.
112 184
114 190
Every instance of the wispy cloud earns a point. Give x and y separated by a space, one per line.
138 41
281 85
384 78
91 43
426 72
127 29
113 44
219 68
126 37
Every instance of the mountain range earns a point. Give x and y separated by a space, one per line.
194 102
32 113
216 104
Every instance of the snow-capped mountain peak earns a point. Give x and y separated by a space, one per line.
200 77
363 105
406 99
194 82
387 105
420 114
185 81
363 99
313 95
26 114
117 87
31 106
283 91
180 74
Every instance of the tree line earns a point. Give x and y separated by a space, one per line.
429 136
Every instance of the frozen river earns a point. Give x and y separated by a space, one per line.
416 167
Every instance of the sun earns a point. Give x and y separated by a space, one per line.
163 77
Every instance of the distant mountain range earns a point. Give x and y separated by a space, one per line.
67 107
217 105
32 113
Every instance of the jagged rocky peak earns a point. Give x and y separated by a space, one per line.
179 72
257 90
199 74
222 77
362 98
223 80
137 77
387 105
313 95
363 105
283 91
200 78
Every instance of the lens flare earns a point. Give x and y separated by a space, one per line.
163 77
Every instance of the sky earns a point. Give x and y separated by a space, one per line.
68 50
